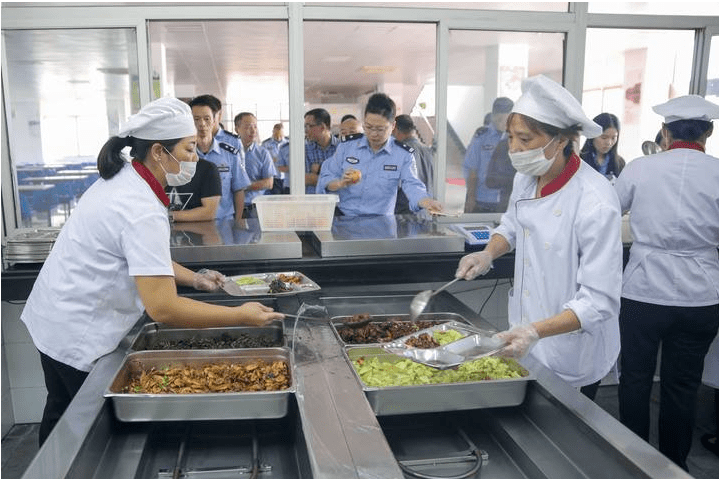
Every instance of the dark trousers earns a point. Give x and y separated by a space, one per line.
685 334
62 383
590 390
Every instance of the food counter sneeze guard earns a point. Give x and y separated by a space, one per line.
228 240
386 235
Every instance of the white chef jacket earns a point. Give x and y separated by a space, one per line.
84 300
674 201
568 256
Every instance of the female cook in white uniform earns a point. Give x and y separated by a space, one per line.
564 223
670 294
112 259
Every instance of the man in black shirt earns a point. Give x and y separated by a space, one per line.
198 199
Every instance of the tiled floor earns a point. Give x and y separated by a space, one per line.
19 446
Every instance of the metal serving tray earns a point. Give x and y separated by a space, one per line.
473 345
392 400
198 407
152 335
263 289
338 321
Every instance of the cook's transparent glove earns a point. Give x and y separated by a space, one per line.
207 280
473 265
519 339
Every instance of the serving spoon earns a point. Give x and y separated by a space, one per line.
419 302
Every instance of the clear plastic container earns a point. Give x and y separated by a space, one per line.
295 212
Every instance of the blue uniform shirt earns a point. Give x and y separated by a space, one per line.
478 157
258 165
273 146
382 172
314 153
228 160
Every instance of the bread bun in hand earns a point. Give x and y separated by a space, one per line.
354 176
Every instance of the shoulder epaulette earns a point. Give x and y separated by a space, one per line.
230 148
353 136
404 145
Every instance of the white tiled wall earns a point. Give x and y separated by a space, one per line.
23 390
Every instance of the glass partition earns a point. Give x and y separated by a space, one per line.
656 8
68 92
346 62
626 72
483 66
242 63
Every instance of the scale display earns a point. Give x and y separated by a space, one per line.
475 234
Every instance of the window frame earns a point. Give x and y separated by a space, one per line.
573 24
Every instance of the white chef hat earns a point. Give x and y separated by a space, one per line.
163 119
689 107
549 102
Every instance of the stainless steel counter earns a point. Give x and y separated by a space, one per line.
385 235
331 431
210 241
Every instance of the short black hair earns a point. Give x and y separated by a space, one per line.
688 130
381 104
321 116
404 123
348 117
207 100
240 116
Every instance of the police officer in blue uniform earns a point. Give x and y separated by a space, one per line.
480 198
366 171
258 163
227 157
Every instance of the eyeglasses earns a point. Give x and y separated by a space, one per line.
376 129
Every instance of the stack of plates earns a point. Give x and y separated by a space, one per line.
30 245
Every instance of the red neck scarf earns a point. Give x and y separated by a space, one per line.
686 144
152 181
556 184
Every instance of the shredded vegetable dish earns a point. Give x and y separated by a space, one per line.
256 375
377 373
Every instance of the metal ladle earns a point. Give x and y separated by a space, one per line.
419 302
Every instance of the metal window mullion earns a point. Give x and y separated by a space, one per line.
574 51
297 97
441 85
700 62
144 77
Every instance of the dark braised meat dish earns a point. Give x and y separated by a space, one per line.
383 331
277 286
423 341
225 341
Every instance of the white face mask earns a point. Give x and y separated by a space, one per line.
532 162
187 171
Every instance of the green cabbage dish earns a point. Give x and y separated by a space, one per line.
446 337
377 373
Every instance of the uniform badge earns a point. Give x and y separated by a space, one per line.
223 168
390 167
229 148
352 160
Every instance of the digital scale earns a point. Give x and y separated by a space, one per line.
475 234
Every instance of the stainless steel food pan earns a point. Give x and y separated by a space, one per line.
387 401
157 336
197 407
337 321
